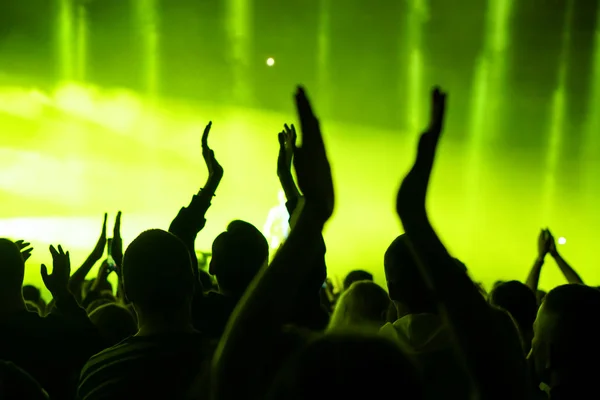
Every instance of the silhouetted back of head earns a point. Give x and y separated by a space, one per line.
115 323
356 276
157 272
567 329
404 280
12 268
18 384
348 366
364 304
237 256
31 293
520 301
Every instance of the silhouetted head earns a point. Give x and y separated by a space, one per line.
157 273
565 347
102 299
364 304
405 283
12 269
237 256
15 383
520 302
347 366
31 293
33 307
114 323
356 276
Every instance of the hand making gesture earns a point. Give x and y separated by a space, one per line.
215 171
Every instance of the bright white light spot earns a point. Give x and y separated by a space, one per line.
270 61
562 240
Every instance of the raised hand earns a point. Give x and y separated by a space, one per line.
215 171
311 163
545 241
98 251
25 248
57 282
117 242
414 187
551 243
287 142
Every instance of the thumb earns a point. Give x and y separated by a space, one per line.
44 271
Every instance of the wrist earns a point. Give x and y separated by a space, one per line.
61 294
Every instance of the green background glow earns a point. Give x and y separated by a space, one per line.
113 122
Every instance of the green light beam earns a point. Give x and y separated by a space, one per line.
239 30
592 130
557 125
490 75
323 49
149 32
417 16
64 41
82 42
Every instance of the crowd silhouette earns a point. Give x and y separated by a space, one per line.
266 323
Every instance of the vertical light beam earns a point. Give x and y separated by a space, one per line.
240 36
417 16
64 41
557 125
489 77
592 131
81 36
323 49
150 41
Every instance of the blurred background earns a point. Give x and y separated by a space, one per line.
103 103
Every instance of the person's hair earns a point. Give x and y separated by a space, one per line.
115 323
31 293
15 383
519 300
32 307
157 272
356 276
238 255
345 365
364 304
404 280
12 268
98 302
569 322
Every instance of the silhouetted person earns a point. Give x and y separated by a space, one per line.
237 256
521 303
32 294
364 305
114 322
356 276
51 349
565 348
348 366
420 330
18 384
161 360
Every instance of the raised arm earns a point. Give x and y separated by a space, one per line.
191 219
533 278
486 338
565 268
287 142
263 309
76 280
